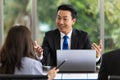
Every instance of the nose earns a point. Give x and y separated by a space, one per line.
61 21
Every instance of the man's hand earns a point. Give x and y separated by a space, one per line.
38 49
98 48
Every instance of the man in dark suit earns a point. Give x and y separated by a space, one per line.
77 39
110 65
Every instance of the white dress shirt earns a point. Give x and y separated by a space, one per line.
69 39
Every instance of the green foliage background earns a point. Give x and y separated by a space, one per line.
88 17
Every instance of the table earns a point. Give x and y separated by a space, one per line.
84 76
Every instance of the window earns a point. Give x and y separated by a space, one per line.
88 16
16 12
19 12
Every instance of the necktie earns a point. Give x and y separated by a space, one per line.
65 43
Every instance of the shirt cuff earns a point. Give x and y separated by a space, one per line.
37 57
97 59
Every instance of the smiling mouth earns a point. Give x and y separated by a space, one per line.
61 28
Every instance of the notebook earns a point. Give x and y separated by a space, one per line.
76 61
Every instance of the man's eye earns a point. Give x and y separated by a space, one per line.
59 18
65 19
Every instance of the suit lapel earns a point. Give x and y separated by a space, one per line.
74 40
57 40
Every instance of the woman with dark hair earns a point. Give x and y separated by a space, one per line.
17 56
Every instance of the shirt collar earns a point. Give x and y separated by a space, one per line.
69 34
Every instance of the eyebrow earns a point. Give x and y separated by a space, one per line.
63 16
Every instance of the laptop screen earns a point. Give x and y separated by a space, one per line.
76 61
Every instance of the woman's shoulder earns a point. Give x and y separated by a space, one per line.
29 66
28 60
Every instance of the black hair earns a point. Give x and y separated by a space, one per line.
69 8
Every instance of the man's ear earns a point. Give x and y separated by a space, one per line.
74 20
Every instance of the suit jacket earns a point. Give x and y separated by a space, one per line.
51 43
110 65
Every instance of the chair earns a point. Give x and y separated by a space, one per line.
23 77
113 77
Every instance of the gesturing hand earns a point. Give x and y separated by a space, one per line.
38 49
98 48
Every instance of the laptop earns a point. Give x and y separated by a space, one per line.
76 61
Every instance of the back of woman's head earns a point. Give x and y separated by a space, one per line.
18 44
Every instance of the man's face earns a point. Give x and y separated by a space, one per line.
64 21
